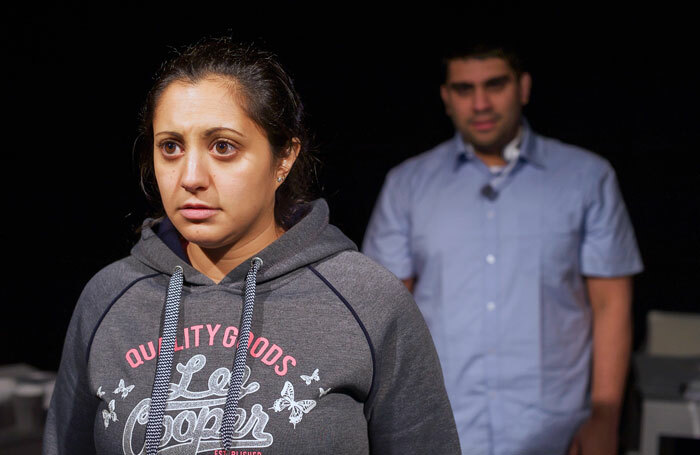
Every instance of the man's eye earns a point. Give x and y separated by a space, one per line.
462 90
224 148
498 84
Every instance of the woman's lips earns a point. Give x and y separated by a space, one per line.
198 213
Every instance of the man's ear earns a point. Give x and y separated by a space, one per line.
445 95
525 83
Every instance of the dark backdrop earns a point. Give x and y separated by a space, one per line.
616 82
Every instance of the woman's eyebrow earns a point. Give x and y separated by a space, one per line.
169 133
218 129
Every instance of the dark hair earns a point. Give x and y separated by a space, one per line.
267 95
484 50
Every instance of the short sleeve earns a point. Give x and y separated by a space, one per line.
609 247
388 235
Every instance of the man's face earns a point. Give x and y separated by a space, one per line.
484 98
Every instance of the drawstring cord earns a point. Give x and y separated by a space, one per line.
161 383
165 363
234 389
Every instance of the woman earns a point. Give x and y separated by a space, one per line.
242 283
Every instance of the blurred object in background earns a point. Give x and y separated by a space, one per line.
25 394
673 334
668 377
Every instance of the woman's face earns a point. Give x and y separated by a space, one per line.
214 166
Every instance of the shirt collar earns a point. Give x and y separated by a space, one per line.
528 150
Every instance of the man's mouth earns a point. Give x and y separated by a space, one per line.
483 125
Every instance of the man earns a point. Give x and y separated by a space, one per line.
519 251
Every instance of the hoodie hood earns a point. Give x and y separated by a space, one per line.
308 241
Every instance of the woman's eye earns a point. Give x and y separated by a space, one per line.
224 148
170 148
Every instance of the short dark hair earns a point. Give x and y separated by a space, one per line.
266 94
484 50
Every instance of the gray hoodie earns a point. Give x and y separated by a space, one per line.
339 358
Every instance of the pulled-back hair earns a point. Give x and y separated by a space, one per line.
267 95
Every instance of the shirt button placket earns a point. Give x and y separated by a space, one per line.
491 317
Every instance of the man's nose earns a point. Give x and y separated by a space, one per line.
196 173
481 100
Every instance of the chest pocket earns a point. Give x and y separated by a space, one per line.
560 235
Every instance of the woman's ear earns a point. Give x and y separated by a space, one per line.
286 163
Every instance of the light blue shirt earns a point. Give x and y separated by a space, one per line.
500 282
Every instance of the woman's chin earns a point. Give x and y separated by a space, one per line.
211 244
207 239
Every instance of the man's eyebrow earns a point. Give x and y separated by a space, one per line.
460 85
498 80
218 129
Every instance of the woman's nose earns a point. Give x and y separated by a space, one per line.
196 173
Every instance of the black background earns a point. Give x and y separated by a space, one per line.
622 83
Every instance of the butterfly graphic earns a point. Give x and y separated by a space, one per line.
100 392
322 393
109 415
298 408
123 389
313 377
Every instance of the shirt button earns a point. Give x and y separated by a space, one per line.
491 306
490 214
490 258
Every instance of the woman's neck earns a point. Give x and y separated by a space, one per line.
216 263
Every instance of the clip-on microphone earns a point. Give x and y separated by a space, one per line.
511 153
489 192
